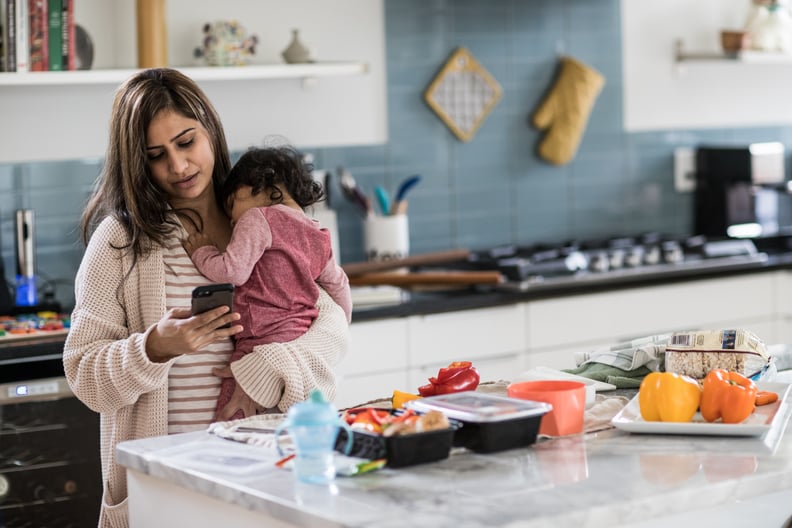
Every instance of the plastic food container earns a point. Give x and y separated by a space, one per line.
400 450
490 423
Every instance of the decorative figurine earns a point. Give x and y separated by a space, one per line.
296 52
226 43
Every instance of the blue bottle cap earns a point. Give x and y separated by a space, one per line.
316 410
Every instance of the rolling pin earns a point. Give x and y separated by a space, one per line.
427 278
440 257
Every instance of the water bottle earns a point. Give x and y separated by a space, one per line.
313 427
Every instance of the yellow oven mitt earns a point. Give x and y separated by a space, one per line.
565 110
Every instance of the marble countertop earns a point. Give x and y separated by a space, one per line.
603 478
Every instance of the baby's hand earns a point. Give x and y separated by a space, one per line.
239 402
196 240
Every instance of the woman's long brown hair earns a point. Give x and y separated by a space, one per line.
125 189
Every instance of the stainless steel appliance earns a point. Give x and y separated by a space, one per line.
26 294
50 474
741 191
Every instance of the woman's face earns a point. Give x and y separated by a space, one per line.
180 156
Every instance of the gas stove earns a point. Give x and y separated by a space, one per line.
591 261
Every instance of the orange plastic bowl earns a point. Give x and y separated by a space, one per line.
568 399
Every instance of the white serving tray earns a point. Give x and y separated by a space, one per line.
761 421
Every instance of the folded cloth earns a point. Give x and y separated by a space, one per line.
629 355
622 379
598 417
256 430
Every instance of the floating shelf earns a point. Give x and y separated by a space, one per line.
744 56
233 73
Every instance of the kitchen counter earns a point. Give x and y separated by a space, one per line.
429 302
601 479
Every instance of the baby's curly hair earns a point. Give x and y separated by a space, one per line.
262 168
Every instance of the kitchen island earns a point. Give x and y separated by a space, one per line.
604 478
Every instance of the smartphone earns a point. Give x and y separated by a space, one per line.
211 296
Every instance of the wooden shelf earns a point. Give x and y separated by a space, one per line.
741 57
263 72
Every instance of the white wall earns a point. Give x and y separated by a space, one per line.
659 95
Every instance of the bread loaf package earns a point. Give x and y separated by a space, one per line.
696 353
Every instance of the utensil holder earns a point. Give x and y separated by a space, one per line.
386 237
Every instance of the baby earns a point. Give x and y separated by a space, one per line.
277 258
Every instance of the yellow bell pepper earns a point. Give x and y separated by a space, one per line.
668 397
399 398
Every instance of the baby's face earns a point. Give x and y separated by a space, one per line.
243 199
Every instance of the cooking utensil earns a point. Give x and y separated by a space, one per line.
355 269
383 199
399 204
353 192
427 278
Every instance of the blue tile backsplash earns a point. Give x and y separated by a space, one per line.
492 190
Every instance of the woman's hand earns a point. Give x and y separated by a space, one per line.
195 240
179 332
239 401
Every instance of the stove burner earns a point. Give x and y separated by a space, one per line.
650 253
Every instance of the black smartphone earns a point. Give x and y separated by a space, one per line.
211 296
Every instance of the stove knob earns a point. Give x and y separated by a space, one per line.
598 261
652 256
672 252
634 257
617 258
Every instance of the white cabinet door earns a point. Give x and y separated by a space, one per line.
376 346
375 364
468 335
744 301
356 389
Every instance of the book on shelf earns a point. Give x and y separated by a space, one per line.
9 35
39 33
54 37
2 36
68 39
22 20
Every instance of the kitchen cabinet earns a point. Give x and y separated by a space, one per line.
502 341
402 353
376 362
586 322
337 100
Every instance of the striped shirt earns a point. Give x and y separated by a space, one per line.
192 388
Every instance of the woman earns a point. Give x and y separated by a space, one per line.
134 352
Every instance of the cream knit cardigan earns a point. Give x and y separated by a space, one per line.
107 367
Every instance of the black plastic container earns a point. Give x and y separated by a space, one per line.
400 450
490 423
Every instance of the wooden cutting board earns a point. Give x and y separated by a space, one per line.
355 269
427 278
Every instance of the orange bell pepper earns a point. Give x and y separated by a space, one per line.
727 395
668 397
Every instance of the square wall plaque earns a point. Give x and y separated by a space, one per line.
463 94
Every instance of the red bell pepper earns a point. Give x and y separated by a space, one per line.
456 377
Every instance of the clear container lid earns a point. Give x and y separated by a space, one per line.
473 406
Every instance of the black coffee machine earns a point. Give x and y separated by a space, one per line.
742 191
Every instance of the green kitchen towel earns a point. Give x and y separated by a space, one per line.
623 379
